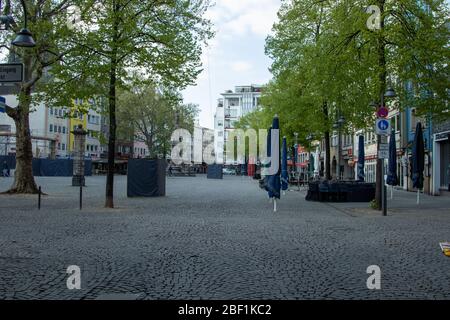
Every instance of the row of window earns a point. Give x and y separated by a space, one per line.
58 112
92 148
93 119
57 129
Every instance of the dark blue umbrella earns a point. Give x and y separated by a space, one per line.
392 178
311 164
284 167
418 159
361 159
273 181
266 165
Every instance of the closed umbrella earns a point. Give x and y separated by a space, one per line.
266 165
418 160
392 178
273 181
284 167
361 159
316 163
311 164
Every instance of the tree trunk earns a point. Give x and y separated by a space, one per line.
327 143
327 156
109 201
23 177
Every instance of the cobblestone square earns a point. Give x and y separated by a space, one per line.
218 239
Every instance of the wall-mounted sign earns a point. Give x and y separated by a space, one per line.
11 72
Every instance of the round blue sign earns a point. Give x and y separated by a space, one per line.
383 125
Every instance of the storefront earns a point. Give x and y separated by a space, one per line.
441 163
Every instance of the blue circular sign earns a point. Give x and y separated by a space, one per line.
383 125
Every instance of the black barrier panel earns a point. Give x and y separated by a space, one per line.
10 161
88 168
215 171
36 165
146 178
56 168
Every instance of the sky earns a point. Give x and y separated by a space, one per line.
235 56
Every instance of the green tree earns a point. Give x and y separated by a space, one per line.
327 62
47 21
150 116
126 43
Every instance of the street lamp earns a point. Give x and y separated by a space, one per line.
296 173
310 139
338 125
24 37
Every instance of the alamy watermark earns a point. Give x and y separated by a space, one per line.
374 21
74 280
241 147
374 280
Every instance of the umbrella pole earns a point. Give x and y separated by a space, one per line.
392 192
418 196
274 205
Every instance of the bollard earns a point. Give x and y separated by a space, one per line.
39 198
81 196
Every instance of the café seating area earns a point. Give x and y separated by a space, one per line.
340 191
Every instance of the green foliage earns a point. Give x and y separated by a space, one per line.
148 115
324 55
134 42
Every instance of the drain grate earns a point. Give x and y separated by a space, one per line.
120 296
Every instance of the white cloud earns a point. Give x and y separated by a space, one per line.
240 66
245 16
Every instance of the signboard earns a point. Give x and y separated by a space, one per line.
11 72
383 152
383 127
383 112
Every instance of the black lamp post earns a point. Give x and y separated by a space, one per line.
338 125
24 37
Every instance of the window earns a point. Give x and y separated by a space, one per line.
64 146
59 146
59 129
51 111
87 147
64 130
60 112
51 128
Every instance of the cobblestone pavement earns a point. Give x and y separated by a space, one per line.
216 239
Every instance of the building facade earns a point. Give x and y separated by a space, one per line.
51 128
230 108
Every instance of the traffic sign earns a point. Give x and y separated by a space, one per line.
383 127
383 154
383 151
383 112
11 72
2 104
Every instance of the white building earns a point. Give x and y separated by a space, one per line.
50 129
230 108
